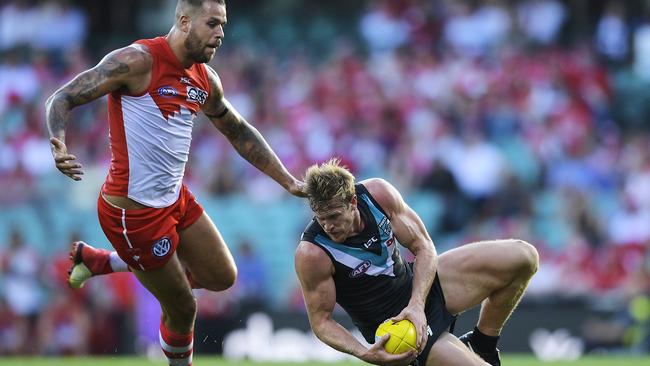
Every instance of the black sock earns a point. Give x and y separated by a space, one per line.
483 342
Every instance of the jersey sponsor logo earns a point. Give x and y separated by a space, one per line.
370 242
185 80
360 269
161 247
384 225
167 91
197 95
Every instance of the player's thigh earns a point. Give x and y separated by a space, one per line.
470 273
170 287
449 351
205 254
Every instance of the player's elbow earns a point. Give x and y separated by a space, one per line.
318 325
425 251
51 100
57 99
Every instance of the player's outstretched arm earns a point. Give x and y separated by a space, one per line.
411 233
314 270
245 138
126 68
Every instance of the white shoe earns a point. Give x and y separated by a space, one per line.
79 272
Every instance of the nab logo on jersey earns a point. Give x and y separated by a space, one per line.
162 247
167 91
361 269
197 95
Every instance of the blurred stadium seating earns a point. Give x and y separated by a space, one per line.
493 122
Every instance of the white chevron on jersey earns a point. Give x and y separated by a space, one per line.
352 261
158 149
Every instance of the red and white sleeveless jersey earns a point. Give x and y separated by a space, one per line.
150 134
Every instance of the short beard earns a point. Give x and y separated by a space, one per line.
195 49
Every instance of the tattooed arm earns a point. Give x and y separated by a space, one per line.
127 68
245 138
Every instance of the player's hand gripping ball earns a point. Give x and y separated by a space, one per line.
402 336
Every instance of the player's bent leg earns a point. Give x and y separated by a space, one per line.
449 351
170 287
494 273
482 345
497 271
172 290
205 254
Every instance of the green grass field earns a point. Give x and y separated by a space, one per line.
214 361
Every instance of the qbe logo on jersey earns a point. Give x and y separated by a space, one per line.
161 247
197 95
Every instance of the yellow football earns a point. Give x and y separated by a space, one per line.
402 336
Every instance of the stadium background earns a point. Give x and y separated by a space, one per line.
524 119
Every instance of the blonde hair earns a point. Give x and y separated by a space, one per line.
328 184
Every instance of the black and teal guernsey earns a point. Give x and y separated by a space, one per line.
373 282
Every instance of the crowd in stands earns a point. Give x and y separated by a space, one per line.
514 114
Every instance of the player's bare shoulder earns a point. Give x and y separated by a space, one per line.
216 105
127 69
137 56
310 259
216 89
384 193
309 252
131 64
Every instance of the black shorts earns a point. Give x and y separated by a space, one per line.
439 319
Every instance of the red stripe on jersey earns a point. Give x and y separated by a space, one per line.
117 181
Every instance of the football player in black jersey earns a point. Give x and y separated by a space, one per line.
347 255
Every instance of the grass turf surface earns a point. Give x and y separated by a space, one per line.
518 360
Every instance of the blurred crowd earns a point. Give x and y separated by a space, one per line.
524 119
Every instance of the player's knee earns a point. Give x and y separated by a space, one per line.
529 258
224 280
229 278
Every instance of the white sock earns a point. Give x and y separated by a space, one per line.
116 263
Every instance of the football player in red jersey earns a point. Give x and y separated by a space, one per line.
159 231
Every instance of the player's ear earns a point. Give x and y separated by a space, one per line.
353 201
184 23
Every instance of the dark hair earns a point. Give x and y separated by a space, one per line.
189 6
199 3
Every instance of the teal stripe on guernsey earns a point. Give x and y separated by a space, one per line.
380 220
358 253
375 211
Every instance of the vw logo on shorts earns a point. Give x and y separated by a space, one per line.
162 247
